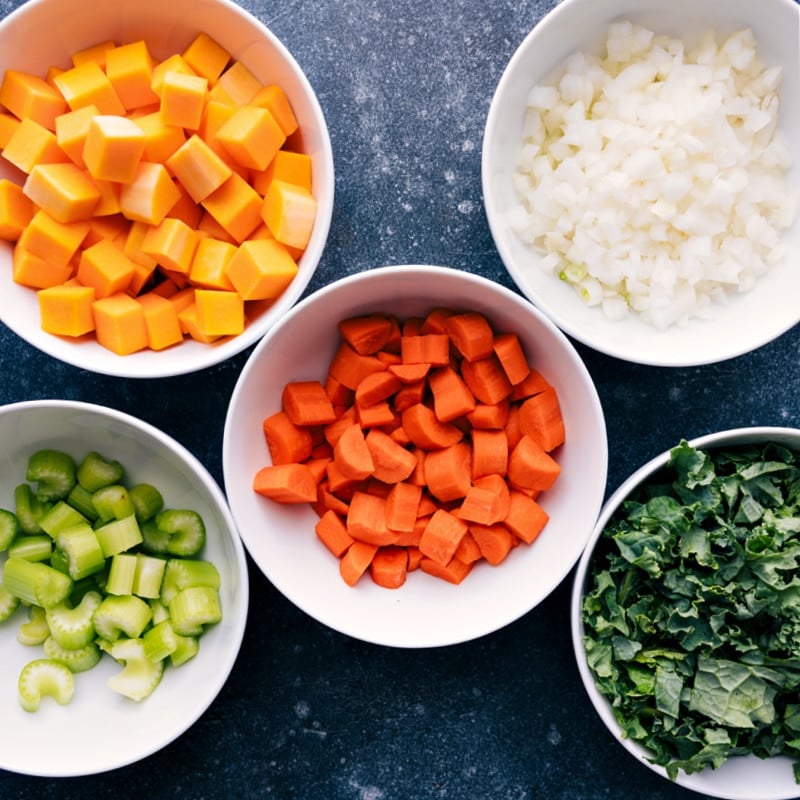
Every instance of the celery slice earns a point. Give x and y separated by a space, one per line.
160 611
79 659
121 574
81 500
113 502
95 471
116 615
81 545
43 677
8 603
53 471
73 628
154 540
9 528
182 573
193 608
59 516
149 576
188 647
160 641
28 509
32 547
186 528
147 501
35 630
119 535
35 582
140 676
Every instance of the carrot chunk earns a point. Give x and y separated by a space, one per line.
448 471
286 483
306 403
441 536
470 334
402 505
428 432
494 541
389 567
286 441
526 518
540 418
486 380
453 572
392 463
511 356
351 454
531 467
366 519
355 562
332 532
429 348
451 397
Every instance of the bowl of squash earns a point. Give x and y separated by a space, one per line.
166 182
415 456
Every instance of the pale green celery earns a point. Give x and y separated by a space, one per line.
73 628
113 502
44 677
28 509
193 608
147 501
116 615
154 540
160 641
82 547
182 573
119 535
149 576
121 574
53 472
35 582
9 528
186 528
95 471
81 500
35 630
58 561
140 676
32 547
188 647
79 659
160 611
8 603
59 516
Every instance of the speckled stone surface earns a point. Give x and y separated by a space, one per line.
309 714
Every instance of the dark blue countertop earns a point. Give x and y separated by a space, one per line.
308 713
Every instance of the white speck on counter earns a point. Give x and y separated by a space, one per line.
553 735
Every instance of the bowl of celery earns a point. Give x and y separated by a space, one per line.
123 588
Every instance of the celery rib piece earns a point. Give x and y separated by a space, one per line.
35 582
8 603
35 630
53 472
119 535
193 608
9 528
28 509
116 615
44 677
78 659
32 547
188 647
121 574
140 676
147 501
73 628
186 528
160 641
81 546
58 517
95 471
113 502
149 576
182 573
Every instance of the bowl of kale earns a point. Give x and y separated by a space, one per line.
686 614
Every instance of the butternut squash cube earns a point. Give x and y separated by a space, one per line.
130 69
199 169
113 148
183 99
105 268
66 310
161 321
173 63
119 324
150 194
71 130
273 98
8 124
236 206
206 57
133 245
35 272
64 191
252 137
286 166
172 244
88 85
29 96
31 144
210 261
289 211
219 313
56 242
216 114
16 210
186 208
161 140
109 197
236 86
209 226
113 227
188 320
96 53
261 269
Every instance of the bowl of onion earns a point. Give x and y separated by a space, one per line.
639 175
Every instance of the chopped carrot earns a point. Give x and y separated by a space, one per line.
402 505
441 536
451 397
410 373
366 519
489 452
306 403
389 567
494 541
286 441
366 334
448 471
286 483
429 348
489 416
487 501
350 367
332 532
526 518
486 380
376 386
435 321
470 334
453 572
414 557
355 562
392 463
377 415
540 418
426 431
410 395
531 467
508 349
532 384
351 454
468 550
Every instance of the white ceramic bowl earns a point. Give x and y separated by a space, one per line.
740 778
114 731
425 611
42 33
749 320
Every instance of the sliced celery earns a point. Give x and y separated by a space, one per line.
53 472
73 628
32 547
154 540
116 615
59 516
95 471
28 509
81 545
113 502
8 603
44 677
9 528
186 528
81 500
160 611
160 641
35 630
193 608
36 582
188 647
79 659
147 501
181 573
121 574
149 576
119 535
140 676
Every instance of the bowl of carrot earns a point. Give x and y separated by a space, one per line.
415 456
166 182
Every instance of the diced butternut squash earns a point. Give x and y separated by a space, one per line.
119 324
95 53
261 269
16 210
71 129
289 211
56 242
35 272
185 208
31 144
273 97
210 262
31 97
161 321
183 98
252 137
88 85
199 169
188 320
64 191
236 86
236 206
130 69
219 313
8 124
66 309
150 194
285 166
215 115
206 57
161 140
172 244
105 268
109 197
173 63
113 148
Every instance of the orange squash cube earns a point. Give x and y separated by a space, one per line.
31 270
114 146
149 195
16 210
198 168
88 85
119 324
210 261
273 98
183 99
56 242
161 140
161 321
261 269
236 206
236 86
130 69
206 57
66 310
63 190
71 129
29 96
219 313
251 137
31 144
172 244
289 211
105 268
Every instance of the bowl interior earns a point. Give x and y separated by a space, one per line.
46 32
184 693
425 611
576 25
743 778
